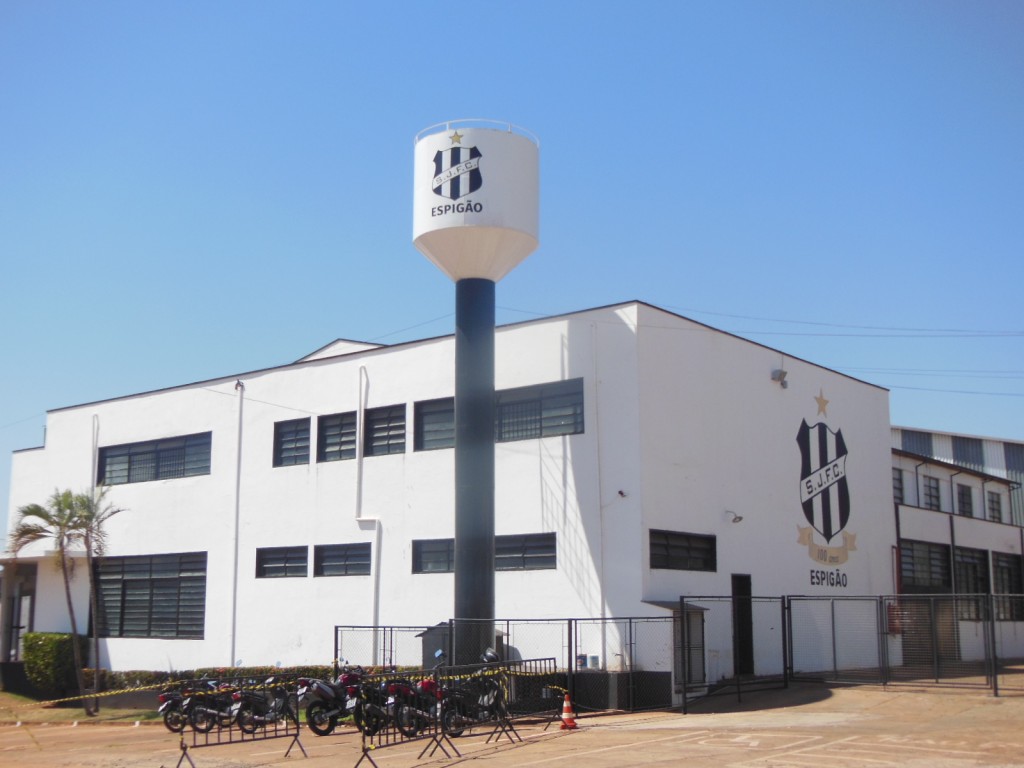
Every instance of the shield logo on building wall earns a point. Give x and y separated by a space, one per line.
824 492
457 172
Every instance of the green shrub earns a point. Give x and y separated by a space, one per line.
50 661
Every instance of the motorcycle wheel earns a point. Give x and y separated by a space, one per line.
202 719
246 718
318 720
175 720
368 722
407 720
453 721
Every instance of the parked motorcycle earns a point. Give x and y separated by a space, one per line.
175 717
209 707
329 701
478 698
273 703
418 706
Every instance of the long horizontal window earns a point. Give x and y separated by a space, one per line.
683 551
526 552
163 459
152 595
341 559
281 562
542 410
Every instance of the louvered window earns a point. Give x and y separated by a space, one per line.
336 437
164 459
385 430
152 596
291 442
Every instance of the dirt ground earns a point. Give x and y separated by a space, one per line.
804 726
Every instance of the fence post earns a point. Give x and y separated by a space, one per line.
785 641
570 681
991 627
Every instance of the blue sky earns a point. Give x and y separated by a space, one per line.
196 189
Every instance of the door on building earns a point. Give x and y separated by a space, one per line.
742 625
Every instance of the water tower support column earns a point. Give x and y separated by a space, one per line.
474 468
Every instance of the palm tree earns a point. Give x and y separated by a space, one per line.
59 521
93 513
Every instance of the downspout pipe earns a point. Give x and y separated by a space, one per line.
378 529
233 659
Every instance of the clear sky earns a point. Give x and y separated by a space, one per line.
196 189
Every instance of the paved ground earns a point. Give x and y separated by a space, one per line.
805 726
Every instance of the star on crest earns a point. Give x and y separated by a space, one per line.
456 138
822 403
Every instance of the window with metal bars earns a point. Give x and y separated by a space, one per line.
151 596
964 500
434 424
971 570
541 410
291 442
1008 581
384 430
995 507
336 436
932 498
164 459
679 551
897 485
924 567
341 559
281 562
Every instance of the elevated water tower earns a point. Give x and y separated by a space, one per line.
475 215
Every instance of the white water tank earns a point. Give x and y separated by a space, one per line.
476 197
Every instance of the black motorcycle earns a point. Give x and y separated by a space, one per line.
329 702
475 699
210 706
258 707
175 717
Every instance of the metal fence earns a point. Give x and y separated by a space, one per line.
727 644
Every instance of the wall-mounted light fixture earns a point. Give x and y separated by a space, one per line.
735 518
779 375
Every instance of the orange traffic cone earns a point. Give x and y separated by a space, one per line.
568 718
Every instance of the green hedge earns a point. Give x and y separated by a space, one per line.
125 680
50 661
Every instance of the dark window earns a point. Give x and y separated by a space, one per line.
152 595
932 500
385 430
1008 579
897 485
435 424
995 507
683 551
971 579
528 552
433 556
964 500
544 410
341 559
1013 455
291 442
336 437
165 459
917 442
968 452
924 567
281 562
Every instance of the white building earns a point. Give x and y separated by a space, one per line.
640 457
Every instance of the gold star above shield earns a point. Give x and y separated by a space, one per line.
456 138
822 403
